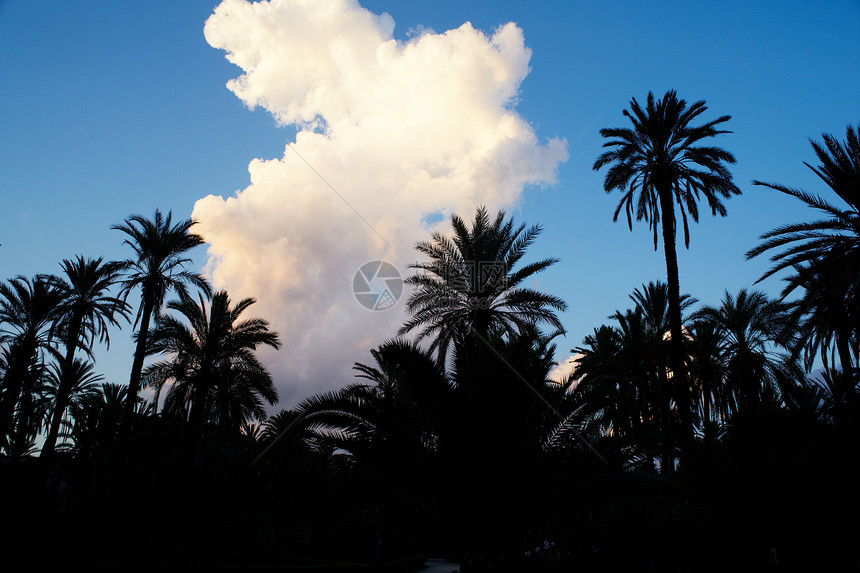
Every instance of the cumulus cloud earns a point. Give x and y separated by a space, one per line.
392 137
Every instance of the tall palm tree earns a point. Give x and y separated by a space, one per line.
28 314
657 164
86 313
157 267
211 355
471 283
828 247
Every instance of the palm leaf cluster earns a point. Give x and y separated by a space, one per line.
211 370
470 283
659 163
823 256
837 235
753 342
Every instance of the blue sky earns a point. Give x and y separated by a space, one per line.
115 108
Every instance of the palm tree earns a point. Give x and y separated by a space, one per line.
655 304
157 267
656 165
830 393
470 284
493 415
827 248
242 397
391 421
822 317
211 358
86 312
618 383
287 431
707 374
28 314
753 329
77 388
825 317
96 421
624 370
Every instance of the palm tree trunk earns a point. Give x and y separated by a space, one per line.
679 378
136 371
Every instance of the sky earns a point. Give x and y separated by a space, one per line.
309 138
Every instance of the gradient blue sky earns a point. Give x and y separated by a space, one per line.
114 108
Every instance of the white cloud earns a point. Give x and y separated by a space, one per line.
564 368
390 132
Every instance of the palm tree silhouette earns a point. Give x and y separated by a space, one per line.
654 302
211 363
825 251
830 396
619 387
77 388
658 164
470 283
825 318
752 329
96 421
707 375
390 420
28 313
157 267
624 371
86 312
